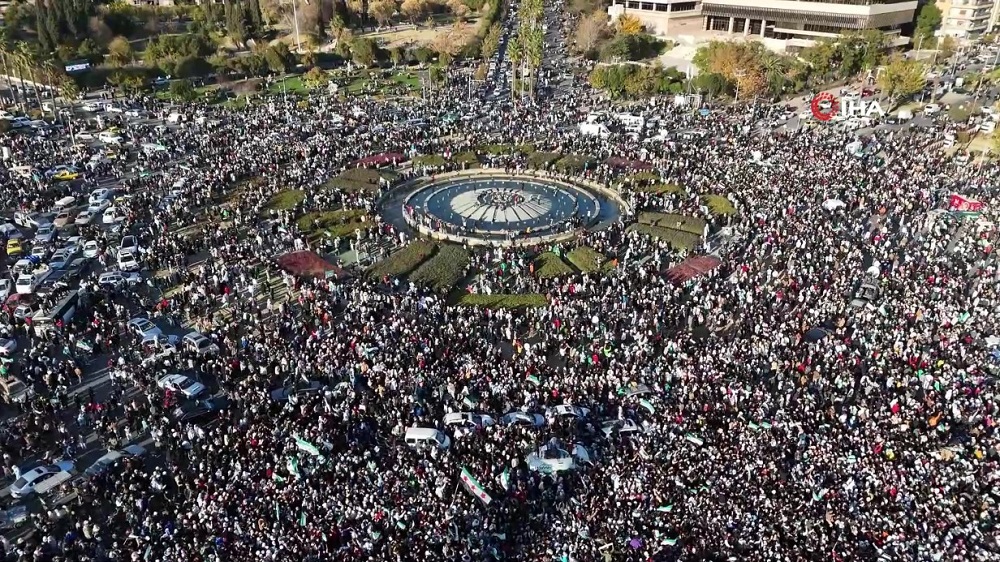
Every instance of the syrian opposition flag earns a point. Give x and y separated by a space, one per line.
474 487
505 479
307 447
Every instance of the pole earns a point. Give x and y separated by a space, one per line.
983 75
295 17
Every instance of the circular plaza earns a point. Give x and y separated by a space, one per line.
496 209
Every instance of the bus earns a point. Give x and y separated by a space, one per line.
44 320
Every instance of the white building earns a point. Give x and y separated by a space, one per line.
965 19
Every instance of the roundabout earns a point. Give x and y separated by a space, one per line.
485 208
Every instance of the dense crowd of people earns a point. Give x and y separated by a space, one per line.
773 415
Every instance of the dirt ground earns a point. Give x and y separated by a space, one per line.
414 36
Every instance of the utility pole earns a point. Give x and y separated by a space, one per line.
295 20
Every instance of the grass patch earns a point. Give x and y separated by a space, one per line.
694 225
374 83
661 189
719 205
358 179
549 265
465 158
532 300
574 162
526 149
290 85
429 160
678 239
285 200
586 259
497 148
542 159
404 260
443 271
643 177
335 224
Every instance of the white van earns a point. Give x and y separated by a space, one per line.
64 203
175 118
27 282
426 438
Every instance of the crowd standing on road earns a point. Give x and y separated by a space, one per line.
773 419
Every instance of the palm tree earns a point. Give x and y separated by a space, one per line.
28 62
6 59
515 52
533 55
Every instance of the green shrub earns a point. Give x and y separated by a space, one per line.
335 224
661 188
443 271
680 240
404 260
357 179
719 205
531 300
542 159
684 223
429 160
574 163
496 149
643 177
285 200
465 158
525 149
549 265
586 259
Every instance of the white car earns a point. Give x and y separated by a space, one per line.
128 244
102 464
84 218
465 423
552 457
624 427
99 207
34 478
566 410
127 261
91 107
91 249
98 195
112 215
46 233
523 418
119 278
932 109
85 135
109 138
134 113
197 342
179 383
6 287
7 347
143 327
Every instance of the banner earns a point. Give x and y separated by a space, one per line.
293 467
694 439
473 486
963 204
307 447
505 479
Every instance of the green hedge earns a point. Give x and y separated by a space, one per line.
574 163
719 205
542 159
661 188
532 300
429 160
684 223
465 158
680 240
357 179
586 259
335 224
404 260
549 265
285 200
443 271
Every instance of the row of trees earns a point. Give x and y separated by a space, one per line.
627 40
525 48
636 80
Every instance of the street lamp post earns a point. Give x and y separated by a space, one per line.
739 74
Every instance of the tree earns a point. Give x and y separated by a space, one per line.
277 58
928 20
396 56
316 77
382 10
120 52
363 52
901 78
629 25
591 32
947 47
491 41
414 9
459 9
183 90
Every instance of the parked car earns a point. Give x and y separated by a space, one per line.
179 383
62 219
200 344
46 233
84 218
523 418
109 459
143 327
34 478
464 423
91 249
553 457
7 347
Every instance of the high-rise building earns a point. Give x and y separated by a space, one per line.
799 23
965 19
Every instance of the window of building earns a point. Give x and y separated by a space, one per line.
684 6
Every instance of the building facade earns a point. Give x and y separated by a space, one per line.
966 19
800 23
656 15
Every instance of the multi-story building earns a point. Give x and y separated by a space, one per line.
799 23
656 15
965 19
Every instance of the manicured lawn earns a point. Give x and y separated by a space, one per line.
430 160
362 84
443 271
465 158
285 200
574 162
335 224
358 179
661 188
684 223
680 240
719 205
586 259
531 300
542 159
289 85
404 260
549 265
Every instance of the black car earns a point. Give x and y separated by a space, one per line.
201 412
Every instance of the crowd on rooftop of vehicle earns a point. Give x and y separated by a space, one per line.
874 438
